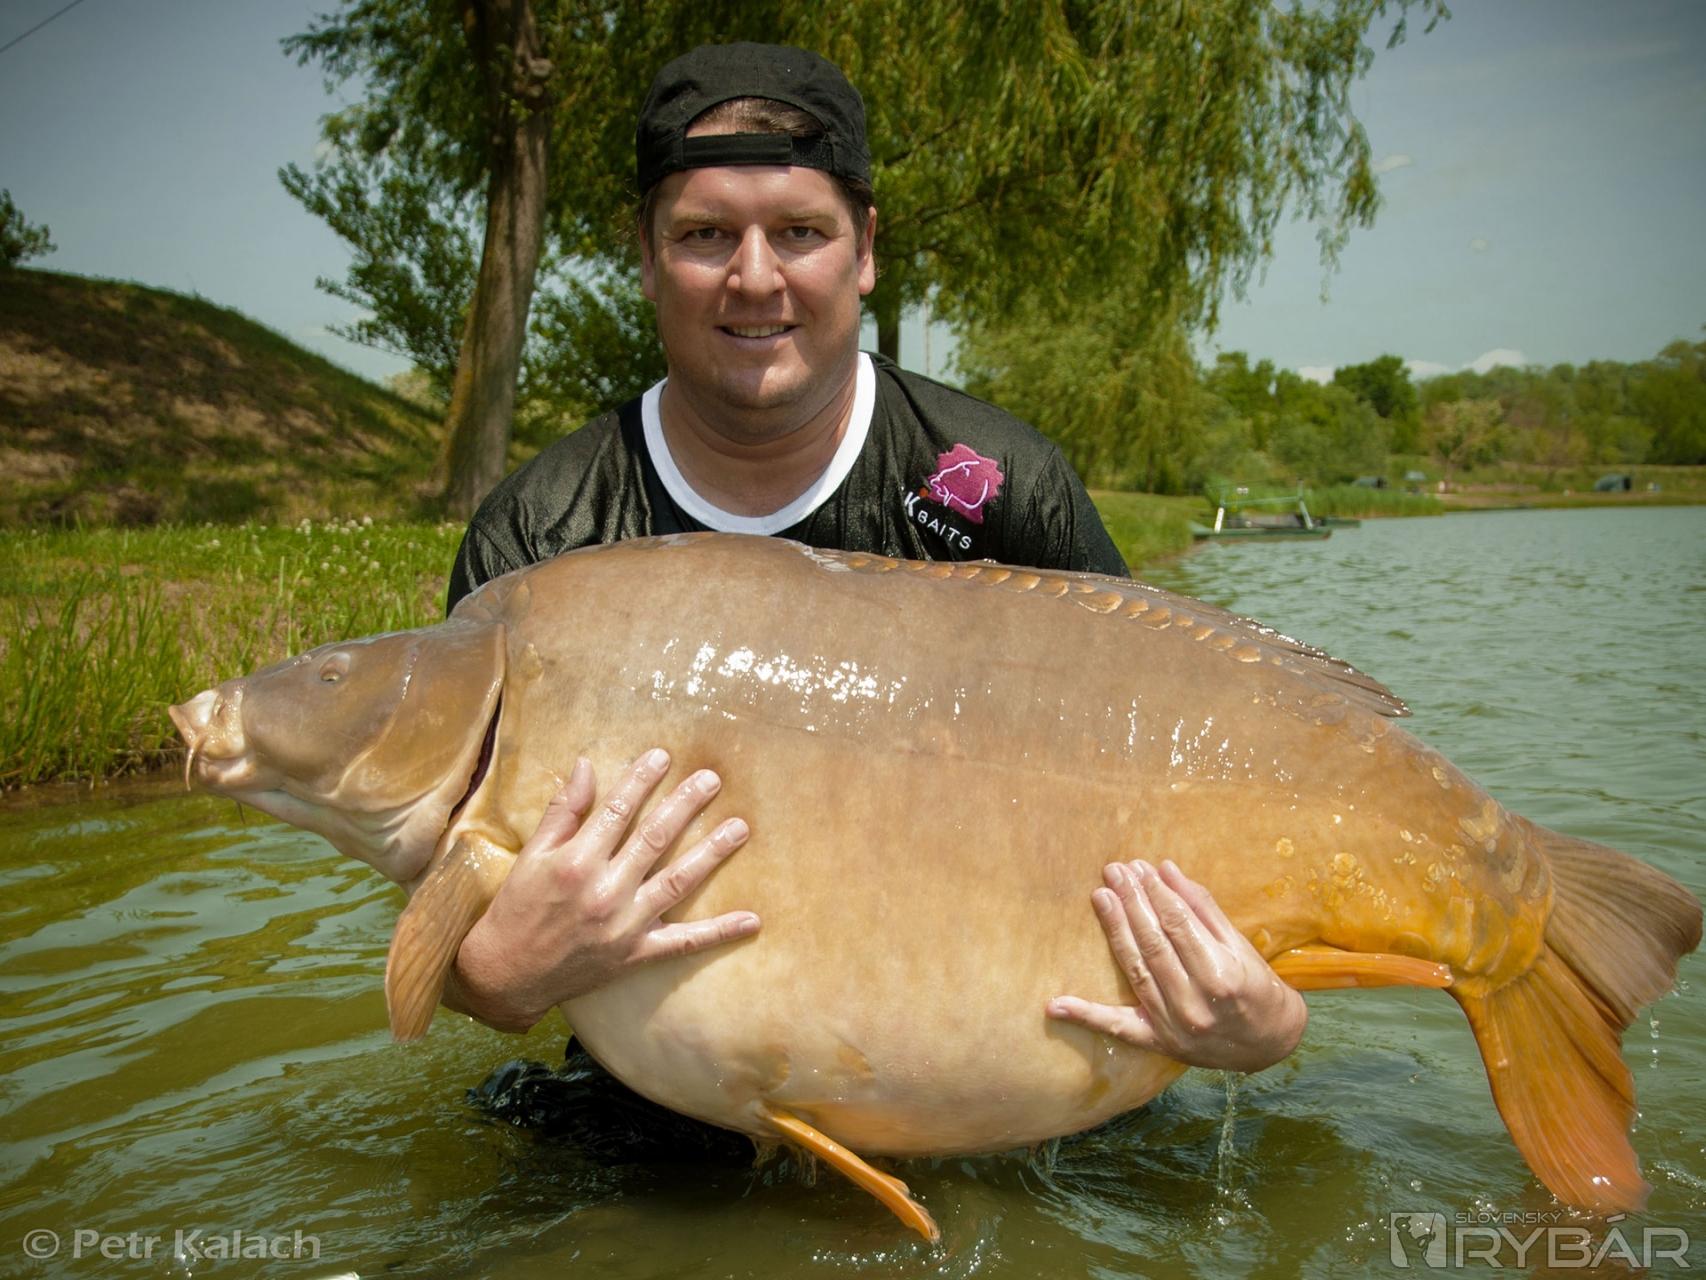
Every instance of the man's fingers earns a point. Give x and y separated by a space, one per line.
696 935
660 828
1153 942
687 873
563 813
1120 1021
1187 935
613 817
1202 902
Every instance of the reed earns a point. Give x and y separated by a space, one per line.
102 629
1357 501
1147 527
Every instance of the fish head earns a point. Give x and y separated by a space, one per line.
373 743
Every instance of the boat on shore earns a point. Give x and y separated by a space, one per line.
1241 515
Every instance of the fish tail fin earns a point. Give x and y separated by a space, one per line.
1551 1039
453 896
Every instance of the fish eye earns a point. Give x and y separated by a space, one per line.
335 667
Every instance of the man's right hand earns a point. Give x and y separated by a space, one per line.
578 909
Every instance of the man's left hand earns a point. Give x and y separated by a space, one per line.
1205 996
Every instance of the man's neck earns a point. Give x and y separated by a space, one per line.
741 472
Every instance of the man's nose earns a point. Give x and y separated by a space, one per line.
755 270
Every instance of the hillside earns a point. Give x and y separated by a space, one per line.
122 404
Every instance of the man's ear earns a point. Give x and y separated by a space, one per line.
868 253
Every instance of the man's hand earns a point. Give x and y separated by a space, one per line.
577 911
1205 996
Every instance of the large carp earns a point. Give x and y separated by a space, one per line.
936 761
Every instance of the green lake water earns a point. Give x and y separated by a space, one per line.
192 1029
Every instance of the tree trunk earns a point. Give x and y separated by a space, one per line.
886 307
505 45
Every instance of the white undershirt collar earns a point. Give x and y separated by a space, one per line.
714 517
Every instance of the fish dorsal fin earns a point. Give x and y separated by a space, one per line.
1240 639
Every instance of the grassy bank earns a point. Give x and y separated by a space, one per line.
126 405
103 629
1147 527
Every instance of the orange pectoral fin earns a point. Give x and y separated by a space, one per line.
891 1191
1318 968
453 896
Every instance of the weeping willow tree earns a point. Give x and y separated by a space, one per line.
1030 160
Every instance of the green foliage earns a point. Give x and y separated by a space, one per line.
596 347
101 630
1604 412
1466 433
1024 156
20 240
1384 385
1125 415
414 263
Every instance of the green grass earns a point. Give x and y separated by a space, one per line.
102 629
1357 501
1147 527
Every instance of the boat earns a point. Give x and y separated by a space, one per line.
1287 516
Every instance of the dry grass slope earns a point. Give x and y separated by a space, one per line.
126 405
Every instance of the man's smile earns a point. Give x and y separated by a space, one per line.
755 330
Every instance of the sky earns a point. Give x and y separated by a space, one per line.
1543 181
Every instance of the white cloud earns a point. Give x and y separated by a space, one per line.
1480 244
1322 373
1497 356
1426 368
1397 160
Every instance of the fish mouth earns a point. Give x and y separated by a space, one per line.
211 725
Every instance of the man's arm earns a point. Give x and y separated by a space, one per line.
1205 996
580 908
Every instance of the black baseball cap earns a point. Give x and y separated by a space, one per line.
695 82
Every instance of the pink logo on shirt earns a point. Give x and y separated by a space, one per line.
964 481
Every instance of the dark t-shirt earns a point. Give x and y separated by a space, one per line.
939 475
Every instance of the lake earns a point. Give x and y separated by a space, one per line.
192 1027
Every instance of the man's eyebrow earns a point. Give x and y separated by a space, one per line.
709 218
699 217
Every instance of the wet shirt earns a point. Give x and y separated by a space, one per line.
924 472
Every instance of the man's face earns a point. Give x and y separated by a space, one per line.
757 272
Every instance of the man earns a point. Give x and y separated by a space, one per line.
757 233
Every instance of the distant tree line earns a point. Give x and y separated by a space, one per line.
1149 418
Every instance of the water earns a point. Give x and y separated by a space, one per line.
194 1032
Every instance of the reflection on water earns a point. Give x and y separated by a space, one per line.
194 1031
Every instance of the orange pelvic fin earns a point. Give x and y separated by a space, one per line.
1318 968
891 1191
1550 1039
453 896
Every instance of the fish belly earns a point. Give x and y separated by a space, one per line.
931 812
